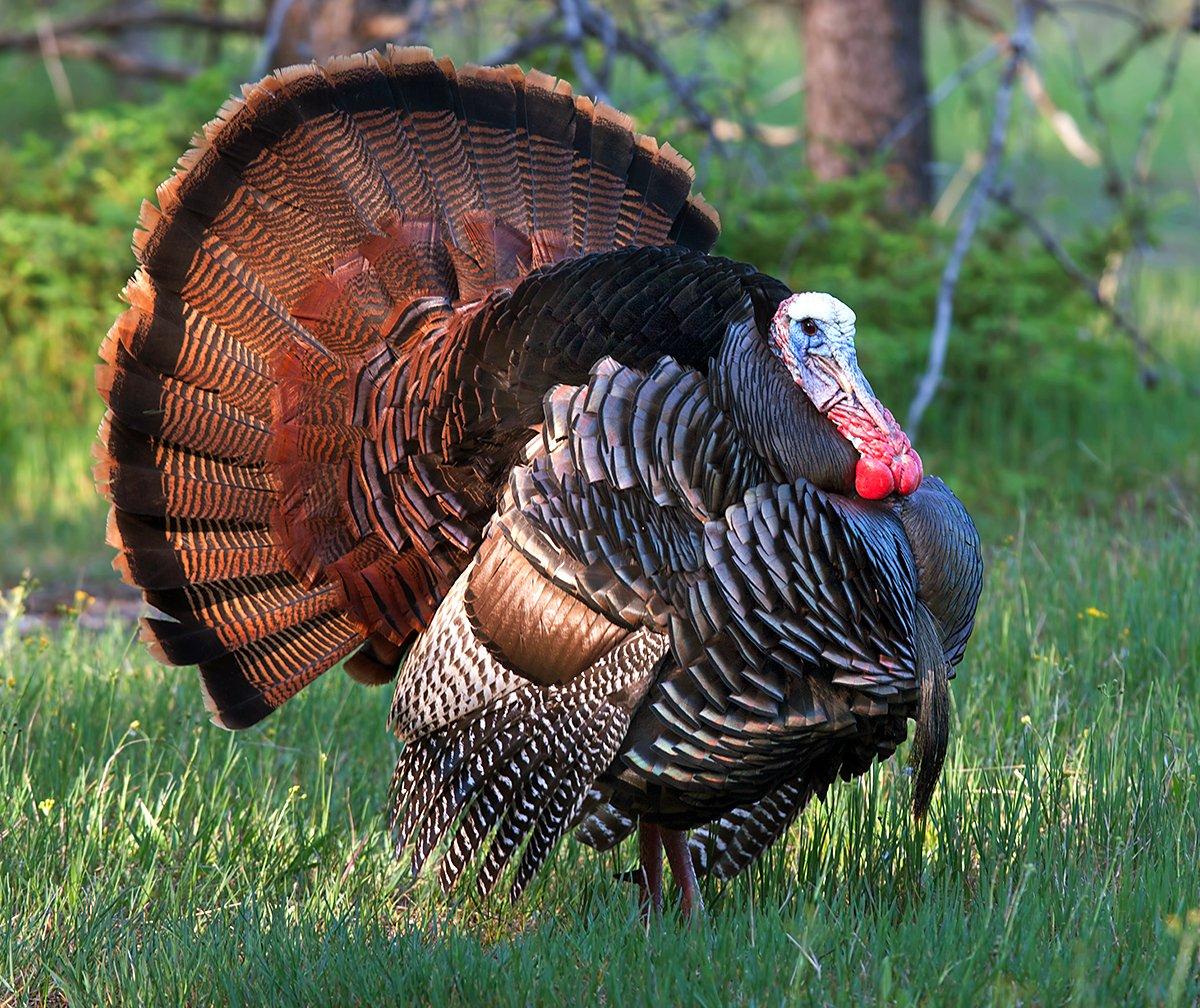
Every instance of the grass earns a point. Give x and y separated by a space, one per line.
148 857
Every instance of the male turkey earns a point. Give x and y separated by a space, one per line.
430 370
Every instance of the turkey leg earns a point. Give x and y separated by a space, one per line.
683 872
649 874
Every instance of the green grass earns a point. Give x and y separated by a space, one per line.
150 858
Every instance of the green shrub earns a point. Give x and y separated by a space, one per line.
1020 323
65 228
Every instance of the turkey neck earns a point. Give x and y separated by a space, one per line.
774 417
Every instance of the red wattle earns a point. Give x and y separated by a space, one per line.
908 472
873 478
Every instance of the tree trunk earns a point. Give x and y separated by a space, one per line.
863 73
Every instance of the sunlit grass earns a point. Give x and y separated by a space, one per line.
148 857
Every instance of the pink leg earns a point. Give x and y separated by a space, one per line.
650 871
683 872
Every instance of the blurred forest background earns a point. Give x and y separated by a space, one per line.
849 146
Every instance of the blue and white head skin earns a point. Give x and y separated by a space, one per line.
813 334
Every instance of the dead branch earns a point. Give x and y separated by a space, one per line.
602 25
115 22
1093 288
273 30
1114 182
574 22
1112 10
572 12
1061 122
414 24
60 83
971 10
1019 43
118 60
538 37
1147 32
1153 113
938 95
72 39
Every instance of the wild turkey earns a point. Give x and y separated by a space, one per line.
430 370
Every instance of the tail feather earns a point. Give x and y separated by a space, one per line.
487 109
244 686
322 230
162 552
518 771
932 733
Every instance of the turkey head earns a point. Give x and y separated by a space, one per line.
813 334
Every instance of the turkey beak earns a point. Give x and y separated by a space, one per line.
854 384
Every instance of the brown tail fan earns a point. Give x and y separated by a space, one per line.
291 469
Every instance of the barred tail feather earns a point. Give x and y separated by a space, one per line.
516 773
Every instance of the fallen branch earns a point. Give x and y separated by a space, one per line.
1019 43
118 60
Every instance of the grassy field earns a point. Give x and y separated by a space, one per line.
147 857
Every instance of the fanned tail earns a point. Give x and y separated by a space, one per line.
320 245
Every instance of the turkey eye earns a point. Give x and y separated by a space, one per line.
809 327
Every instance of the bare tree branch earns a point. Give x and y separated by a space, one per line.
1061 122
1148 32
974 11
938 95
120 61
115 22
60 83
572 18
574 22
271 36
1094 289
1114 182
1153 113
538 37
1019 43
